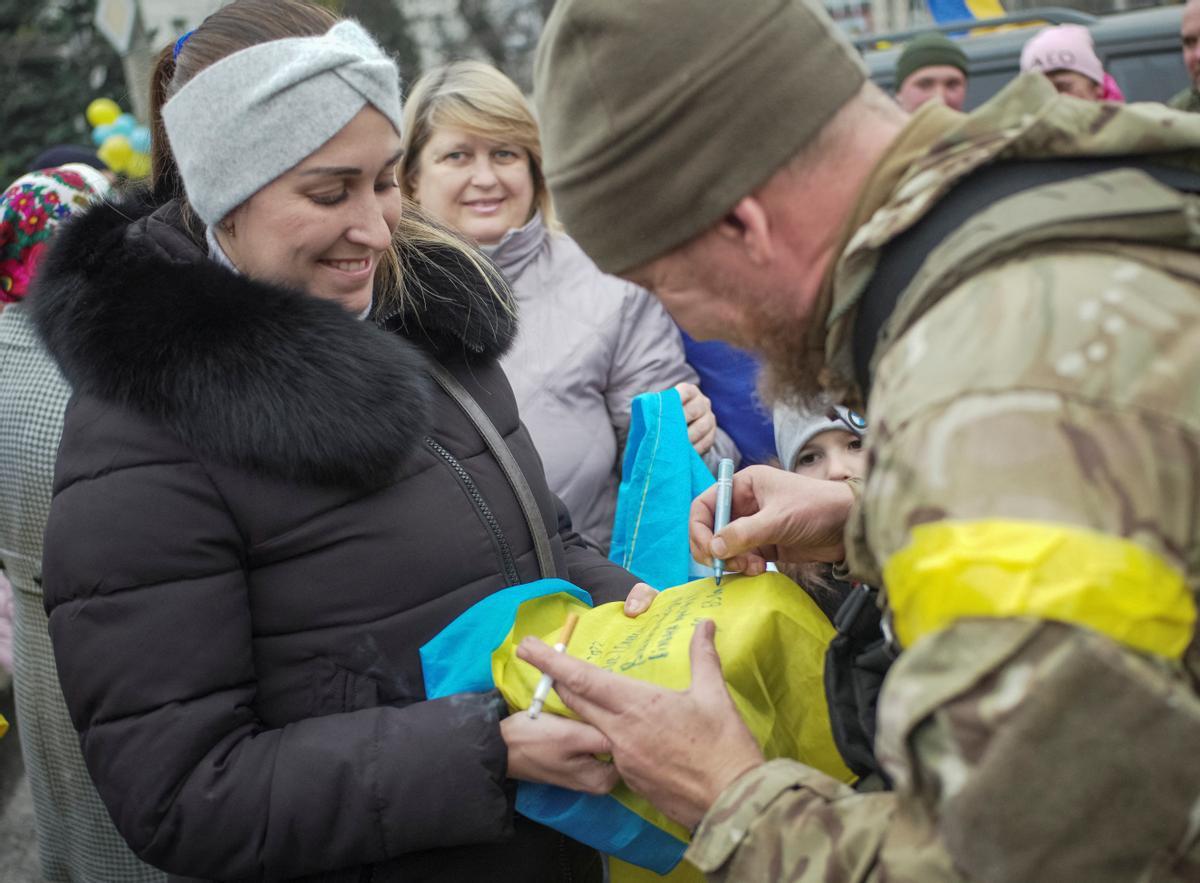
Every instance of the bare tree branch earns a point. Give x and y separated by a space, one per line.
487 34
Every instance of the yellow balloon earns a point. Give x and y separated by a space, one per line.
138 165
116 152
102 111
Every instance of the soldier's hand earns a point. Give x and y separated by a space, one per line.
678 749
776 516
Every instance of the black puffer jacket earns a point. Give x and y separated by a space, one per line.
262 509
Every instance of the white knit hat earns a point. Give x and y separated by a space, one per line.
794 428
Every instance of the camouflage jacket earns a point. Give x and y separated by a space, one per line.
1033 507
1186 99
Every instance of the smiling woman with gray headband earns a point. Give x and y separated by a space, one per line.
265 505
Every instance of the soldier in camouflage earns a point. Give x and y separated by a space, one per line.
1032 507
1189 36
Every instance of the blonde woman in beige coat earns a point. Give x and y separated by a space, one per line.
588 342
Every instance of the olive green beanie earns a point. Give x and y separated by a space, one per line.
928 50
657 116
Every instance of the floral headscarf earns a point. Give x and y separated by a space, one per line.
30 209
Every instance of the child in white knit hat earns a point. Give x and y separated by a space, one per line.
825 443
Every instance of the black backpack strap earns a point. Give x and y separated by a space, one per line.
856 662
904 255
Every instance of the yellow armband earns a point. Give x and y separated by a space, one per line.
1003 568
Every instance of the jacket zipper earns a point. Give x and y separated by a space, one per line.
563 861
507 561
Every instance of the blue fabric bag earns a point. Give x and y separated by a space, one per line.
459 660
661 474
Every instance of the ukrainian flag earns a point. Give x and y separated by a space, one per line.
944 11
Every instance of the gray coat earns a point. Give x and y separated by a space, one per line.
76 838
588 343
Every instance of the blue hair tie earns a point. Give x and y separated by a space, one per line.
179 45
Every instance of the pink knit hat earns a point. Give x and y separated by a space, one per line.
1063 48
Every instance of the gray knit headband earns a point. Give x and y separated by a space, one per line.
244 121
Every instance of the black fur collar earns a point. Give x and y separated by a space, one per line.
449 307
246 373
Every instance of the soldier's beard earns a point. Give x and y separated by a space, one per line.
792 364
791 367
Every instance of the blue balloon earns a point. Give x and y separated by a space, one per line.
100 133
124 125
140 139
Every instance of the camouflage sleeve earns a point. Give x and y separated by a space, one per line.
1032 506
1033 434
788 822
1187 99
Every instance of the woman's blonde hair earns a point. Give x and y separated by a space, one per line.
478 99
419 238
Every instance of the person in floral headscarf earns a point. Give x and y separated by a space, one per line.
76 838
30 209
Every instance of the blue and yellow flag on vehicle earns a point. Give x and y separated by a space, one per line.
944 11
